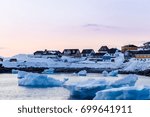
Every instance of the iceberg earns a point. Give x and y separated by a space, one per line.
22 74
124 93
14 71
48 71
41 81
129 80
105 73
86 89
82 73
113 73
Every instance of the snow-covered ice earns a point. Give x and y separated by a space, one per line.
38 80
113 73
49 71
105 73
82 73
124 93
22 74
86 89
14 71
129 80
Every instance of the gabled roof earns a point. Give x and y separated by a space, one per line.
112 50
87 51
130 45
104 48
72 51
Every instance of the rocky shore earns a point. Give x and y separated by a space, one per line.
73 70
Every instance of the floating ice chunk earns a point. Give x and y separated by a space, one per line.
48 71
86 89
129 80
124 93
113 73
38 80
22 74
82 73
14 71
105 73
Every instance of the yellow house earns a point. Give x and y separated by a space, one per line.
128 48
142 54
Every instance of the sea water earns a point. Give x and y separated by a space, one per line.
9 89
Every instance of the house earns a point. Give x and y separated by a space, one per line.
38 53
103 49
13 60
143 54
112 52
72 52
130 54
146 46
128 48
87 52
47 54
107 57
97 57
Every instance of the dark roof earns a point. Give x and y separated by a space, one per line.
87 51
48 52
104 48
98 55
72 51
112 50
146 43
38 52
130 45
143 52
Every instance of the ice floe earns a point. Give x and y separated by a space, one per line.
49 71
82 73
124 93
38 80
105 73
22 74
129 80
113 73
86 89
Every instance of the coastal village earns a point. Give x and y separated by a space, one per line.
118 72
130 59
103 54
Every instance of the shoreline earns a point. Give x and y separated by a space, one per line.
73 70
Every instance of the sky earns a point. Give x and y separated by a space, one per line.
30 25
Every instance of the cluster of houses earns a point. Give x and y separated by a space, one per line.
139 53
103 54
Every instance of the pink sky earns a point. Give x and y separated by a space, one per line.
30 25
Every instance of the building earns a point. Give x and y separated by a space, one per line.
96 57
72 52
146 46
103 49
112 52
13 60
145 54
47 54
107 57
87 52
128 48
